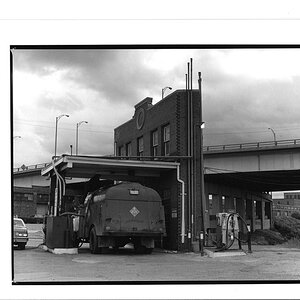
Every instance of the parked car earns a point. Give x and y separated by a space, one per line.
20 234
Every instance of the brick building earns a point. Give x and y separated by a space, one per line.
161 131
287 205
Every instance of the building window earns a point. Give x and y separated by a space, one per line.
288 202
140 146
154 136
166 140
128 149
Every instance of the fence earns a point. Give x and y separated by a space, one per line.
254 145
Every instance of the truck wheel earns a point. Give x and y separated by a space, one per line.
21 246
148 250
94 242
139 249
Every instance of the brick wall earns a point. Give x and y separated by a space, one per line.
171 110
26 200
24 204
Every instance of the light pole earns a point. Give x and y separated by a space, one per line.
77 125
273 133
163 91
56 122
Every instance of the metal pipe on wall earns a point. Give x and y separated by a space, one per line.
192 152
182 205
60 190
202 193
189 153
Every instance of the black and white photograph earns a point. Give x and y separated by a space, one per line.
151 150
156 164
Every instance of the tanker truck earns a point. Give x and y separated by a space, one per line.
114 216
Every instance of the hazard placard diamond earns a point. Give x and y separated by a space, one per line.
134 211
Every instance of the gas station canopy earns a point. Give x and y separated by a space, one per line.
107 168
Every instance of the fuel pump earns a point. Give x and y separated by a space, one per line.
230 228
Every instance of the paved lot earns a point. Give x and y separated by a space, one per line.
265 263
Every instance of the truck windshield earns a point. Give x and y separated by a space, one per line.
18 223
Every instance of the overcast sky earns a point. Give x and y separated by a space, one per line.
245 91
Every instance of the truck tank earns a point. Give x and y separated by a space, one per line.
124 213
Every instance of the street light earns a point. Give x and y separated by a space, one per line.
163 91
56 121
17 136
77 125
273 133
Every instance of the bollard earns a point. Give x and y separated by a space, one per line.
201 243
239 240
249 242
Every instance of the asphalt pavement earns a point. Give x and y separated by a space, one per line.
266 263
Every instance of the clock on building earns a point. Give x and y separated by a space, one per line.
140 118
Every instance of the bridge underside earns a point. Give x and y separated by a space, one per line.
259 181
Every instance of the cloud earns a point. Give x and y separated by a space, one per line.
244 93
251 106
117 75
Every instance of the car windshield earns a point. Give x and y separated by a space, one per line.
18 223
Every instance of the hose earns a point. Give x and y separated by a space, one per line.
228 245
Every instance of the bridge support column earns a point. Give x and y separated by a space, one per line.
268 214
253 214
262 213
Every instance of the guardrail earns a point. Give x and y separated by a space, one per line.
29 168
254 145
228 147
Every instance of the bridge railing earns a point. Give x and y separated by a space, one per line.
228 147
31 167
253 145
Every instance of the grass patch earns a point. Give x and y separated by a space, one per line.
267 237
289 227
286 231
292 243
296 215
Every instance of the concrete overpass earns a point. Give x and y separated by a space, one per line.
261 166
